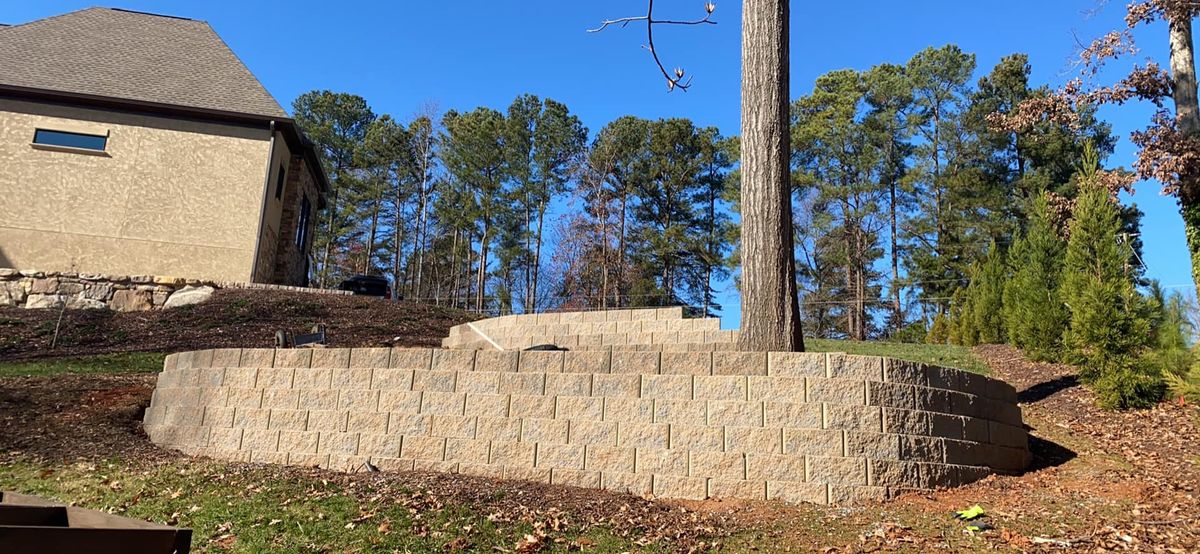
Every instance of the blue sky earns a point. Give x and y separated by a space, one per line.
459 54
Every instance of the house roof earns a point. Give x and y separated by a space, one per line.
136 56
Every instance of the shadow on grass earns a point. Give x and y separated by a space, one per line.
1047 454
1044 390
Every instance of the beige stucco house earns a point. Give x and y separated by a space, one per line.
139 144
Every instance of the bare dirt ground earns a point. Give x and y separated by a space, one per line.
231 318
1101 481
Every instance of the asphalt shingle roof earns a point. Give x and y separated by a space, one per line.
132 56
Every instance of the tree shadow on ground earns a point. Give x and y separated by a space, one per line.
1047 454
1044 390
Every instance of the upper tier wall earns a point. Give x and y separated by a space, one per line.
793 426
631 329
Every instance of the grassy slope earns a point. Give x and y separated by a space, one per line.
935 354
132 362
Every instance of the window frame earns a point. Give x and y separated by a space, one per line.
302 223
40 141
280 182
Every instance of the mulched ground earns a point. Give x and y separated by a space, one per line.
1101 481
231 318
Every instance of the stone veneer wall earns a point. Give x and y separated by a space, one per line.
632 329
125 293
801 427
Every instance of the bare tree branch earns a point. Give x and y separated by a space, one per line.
675 80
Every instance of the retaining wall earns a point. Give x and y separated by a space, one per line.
799 427
632 329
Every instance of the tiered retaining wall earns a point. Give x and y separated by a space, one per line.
822 428
634 329
123 293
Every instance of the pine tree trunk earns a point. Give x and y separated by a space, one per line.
537 258
897 314
1187 116
770 306
621 277
480 286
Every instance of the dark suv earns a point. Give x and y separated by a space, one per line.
367 285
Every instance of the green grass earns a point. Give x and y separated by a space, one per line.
131 362
239 508
959 357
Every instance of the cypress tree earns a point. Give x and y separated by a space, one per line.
988 298
1034 315
1109 330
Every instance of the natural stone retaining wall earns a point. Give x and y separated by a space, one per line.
124 293
634 329
802 427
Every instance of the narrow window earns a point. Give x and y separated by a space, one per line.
70 140
279 182
302 224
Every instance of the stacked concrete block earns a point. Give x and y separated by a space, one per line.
633 329
798 427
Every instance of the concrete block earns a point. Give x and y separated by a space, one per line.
262 440
240 377
389 378
775 467
213 396
292 357
409 425
975 429
498 429
321 420
685 488
614 339
905 422
972 383
268 457
906 372
386 446
575 478
496 361
782 389
754 439
488 405
512 454
453 360
217 416
202 359
681 412
735 413
797 492
292 420
792 414
643 435
436 466
586 362
225 438
664 387
562 456
423 448
629 410
627 483
813 442
849 366
697 439
312 379
946 426
245 418
880 446
861 418
481 470
569 384
922 449
391 464
308 460
891 395
453 426
400 401
280 399
467 451
739 363
544 430
211 377
366 422
624 386
721 387
411 358
1008 435
255 357
443 403
523 383
274 378
892 473
836 470
718 465
370 357
592 432
842 392
845 494
536 475
739 489
938 476
966 404
436 381
343 444
358 400
478 382
942 378
330 358
965 453
541 361
524 406
933 400
586 408
608 458
635 363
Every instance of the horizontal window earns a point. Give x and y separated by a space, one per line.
69 140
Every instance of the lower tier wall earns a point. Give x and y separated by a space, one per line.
822 428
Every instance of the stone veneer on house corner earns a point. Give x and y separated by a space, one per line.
801 427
